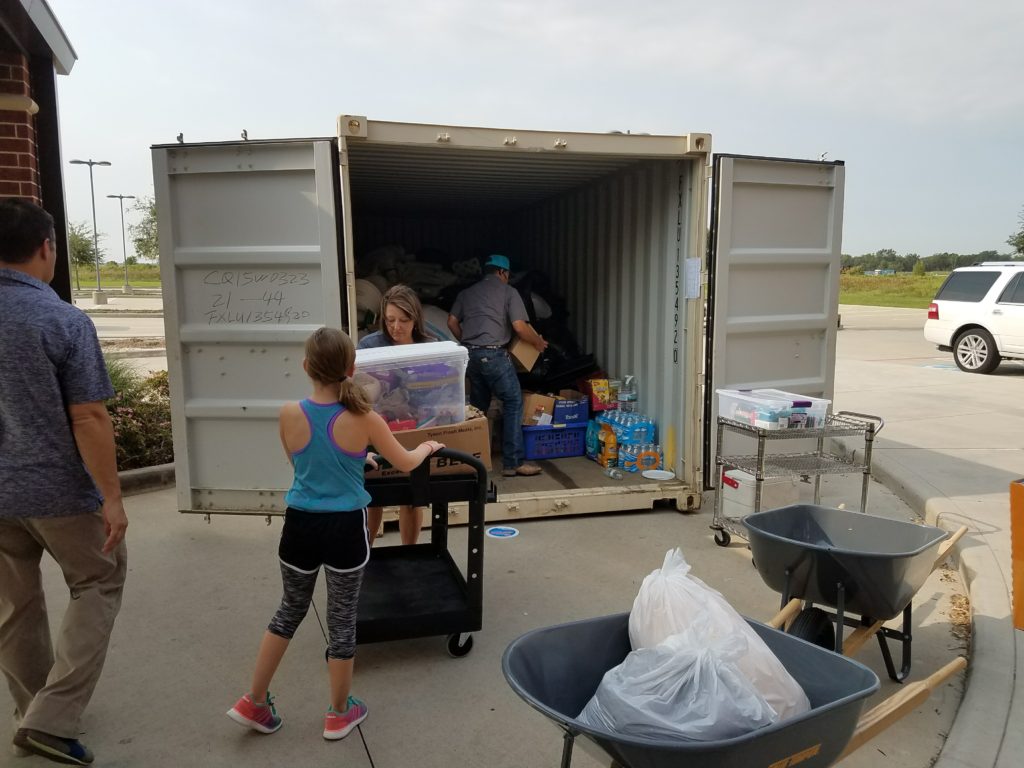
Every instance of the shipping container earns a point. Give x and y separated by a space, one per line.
689 270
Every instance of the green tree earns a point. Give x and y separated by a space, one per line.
1016 241
941 262
918 269
143 234
82 249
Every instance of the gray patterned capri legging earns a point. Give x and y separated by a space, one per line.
337 541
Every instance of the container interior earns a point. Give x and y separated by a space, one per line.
608 233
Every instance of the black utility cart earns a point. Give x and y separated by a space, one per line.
419 590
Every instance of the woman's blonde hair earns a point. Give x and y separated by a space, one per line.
405 298
330 355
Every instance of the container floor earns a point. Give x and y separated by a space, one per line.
561 475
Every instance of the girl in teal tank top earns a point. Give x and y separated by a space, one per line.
327 477
325 438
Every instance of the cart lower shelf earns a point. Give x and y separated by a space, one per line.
413 591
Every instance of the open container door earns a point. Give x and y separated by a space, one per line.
773 280
249 265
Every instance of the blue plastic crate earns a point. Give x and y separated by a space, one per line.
554 442
573 413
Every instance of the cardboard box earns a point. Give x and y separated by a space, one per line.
571 408
472 437
600 393
524 355
538 410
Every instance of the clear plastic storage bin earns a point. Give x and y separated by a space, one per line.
415 385
772 408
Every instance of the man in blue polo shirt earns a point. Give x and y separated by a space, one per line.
483 318
59 492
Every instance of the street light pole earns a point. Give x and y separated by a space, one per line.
124 243
98 296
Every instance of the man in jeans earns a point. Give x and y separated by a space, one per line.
484 318
59 492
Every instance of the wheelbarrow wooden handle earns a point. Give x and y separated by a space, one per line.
787 614
899 704
948 544
858 637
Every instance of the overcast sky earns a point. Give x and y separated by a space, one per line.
923 100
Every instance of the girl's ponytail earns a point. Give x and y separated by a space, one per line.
353 397
330 356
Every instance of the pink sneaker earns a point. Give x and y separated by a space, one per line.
338 725
259 717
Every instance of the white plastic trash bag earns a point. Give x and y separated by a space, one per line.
682 689
671 600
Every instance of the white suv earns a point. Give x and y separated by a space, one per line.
978 314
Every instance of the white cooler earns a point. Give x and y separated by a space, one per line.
738 488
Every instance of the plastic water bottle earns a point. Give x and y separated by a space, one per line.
627 394
614 473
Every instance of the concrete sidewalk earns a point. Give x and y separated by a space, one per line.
199 595
952 444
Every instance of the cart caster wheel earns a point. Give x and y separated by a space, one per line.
814 626
457 651
723 538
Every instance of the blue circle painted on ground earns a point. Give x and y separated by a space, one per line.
502 532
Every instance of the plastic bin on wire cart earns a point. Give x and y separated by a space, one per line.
418 590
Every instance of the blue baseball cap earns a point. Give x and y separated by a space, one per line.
499 261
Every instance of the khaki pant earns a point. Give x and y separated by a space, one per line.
52 686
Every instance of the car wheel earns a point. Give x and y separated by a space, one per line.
975 351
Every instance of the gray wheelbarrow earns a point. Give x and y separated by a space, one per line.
557 669
852 562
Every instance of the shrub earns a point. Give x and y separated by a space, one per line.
141 412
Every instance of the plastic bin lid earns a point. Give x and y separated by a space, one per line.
751 396
796 398
400 354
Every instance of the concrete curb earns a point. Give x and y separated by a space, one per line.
136 481
976 739
121 354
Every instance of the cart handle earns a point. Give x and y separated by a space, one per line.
464 458
419 477
899 704
866 417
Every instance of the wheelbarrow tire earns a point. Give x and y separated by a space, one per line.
457 651
722 538
814 626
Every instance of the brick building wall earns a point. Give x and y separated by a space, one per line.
19 163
